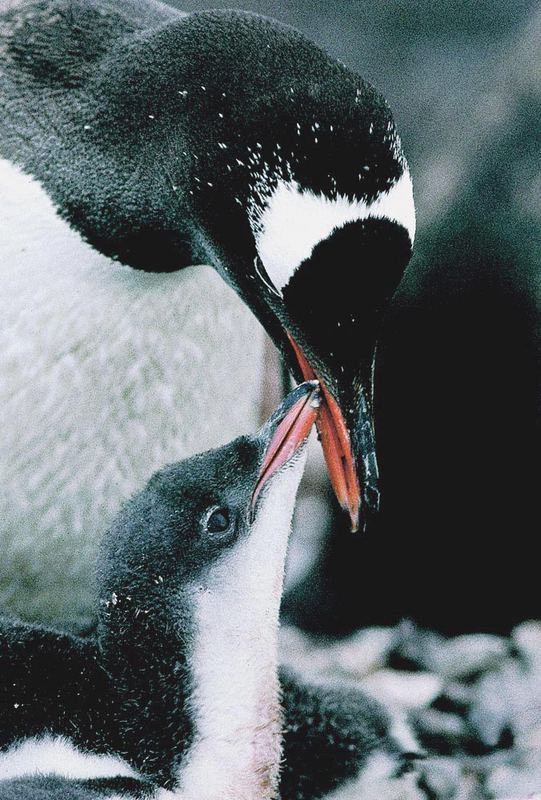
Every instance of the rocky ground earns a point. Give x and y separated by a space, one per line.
474 701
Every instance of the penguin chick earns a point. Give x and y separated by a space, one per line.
181 685
178 695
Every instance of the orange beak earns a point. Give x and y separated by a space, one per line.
336 443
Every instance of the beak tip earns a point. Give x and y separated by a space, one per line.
355 519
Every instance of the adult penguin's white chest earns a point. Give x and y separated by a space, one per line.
107 373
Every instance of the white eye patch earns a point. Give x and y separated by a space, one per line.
293 222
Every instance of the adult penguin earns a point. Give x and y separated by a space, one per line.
135 142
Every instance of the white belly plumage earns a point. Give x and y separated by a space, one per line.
56 755
106 374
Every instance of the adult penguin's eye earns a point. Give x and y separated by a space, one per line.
218 520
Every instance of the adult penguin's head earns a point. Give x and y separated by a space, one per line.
306 207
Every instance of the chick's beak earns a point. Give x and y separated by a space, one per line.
336 443
287 431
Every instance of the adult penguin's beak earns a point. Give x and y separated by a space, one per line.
338 448
332 317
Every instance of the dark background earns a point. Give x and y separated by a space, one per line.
456 545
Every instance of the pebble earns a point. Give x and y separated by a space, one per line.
515 781
468 788
352 658
465 656
492 711
445 733
442 777
413 646
527 638
512 695
363 653
456 698
404 690
529 797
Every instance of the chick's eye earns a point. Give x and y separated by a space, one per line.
218 521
